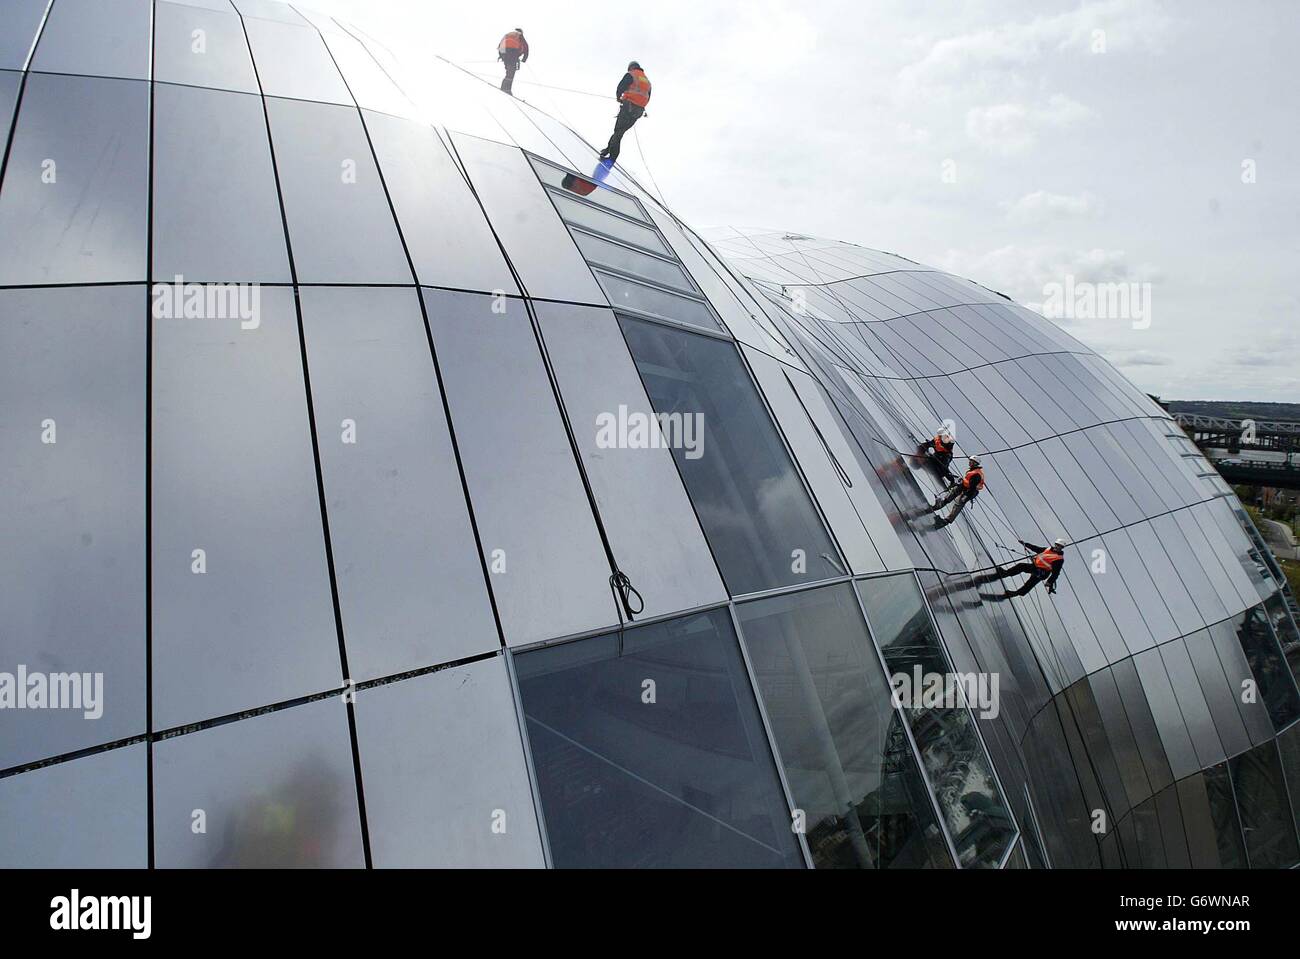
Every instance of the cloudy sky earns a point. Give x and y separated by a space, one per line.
1106 141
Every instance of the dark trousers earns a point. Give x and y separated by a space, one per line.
958 493
628 114
512 64
1035 577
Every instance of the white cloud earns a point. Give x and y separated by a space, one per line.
1008 128
1129 358
1127 24
1042 205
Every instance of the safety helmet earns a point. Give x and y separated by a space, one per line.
974 461
634 65
1059 543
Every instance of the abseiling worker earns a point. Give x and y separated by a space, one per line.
939 449
633 94
1045 566
963 491
512 51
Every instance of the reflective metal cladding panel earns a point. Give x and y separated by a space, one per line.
410 490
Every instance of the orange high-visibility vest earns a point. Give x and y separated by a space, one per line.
511 41
638 94
939 446
973 481
1046 558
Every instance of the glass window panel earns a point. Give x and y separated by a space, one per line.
437 801
625 294
410 582
1137 443
589 190
9 82
580 214
1127 574
1288 744
1057 376
234 476
742 311
978 819
339 219
89 813
1122 743
1205 596
203 48
627 260
867 505
1219 695
751 502
1043 402
1253 709
292 62
1234 588
1142 839
973 432
1093 505
23 19
911 357
1142 723
1196 713
1019 407
1223 811
1129 474
1198 824
1167 577
449 238
1276 686
550 572
1171 829
685 782
1119 601
963 356
82 219
843 745
1288 635
812 454
1072 409
1266 818
1056 483
1226 533
216 211
536 240
1124 785
72 462
1002 329
277 790
103 38
647 515
269 10
1163 700
1017 859
369 85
